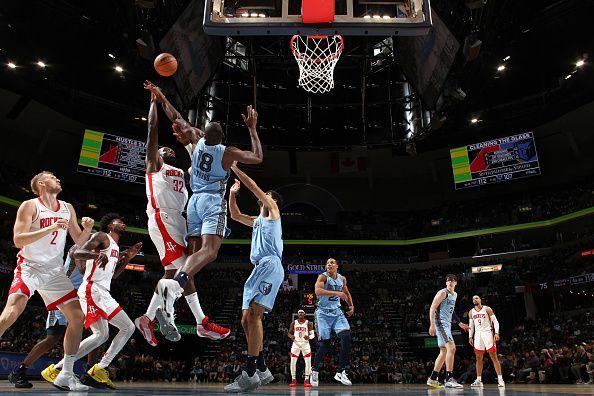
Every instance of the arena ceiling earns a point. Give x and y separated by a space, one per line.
543 40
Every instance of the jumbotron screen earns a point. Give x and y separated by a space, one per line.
112 156
494 161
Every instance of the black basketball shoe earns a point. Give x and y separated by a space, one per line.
19 379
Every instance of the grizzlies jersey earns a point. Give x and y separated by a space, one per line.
331 302
208 174
72 272
446 308
267 239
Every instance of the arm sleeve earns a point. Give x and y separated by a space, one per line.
189 148
312 334
470 327
495 323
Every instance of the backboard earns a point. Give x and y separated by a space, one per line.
283 17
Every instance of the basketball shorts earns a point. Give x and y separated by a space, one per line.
300 347
207 215
168 231
50 282
328 320
263 283
56 323
443 331
96 303
484 342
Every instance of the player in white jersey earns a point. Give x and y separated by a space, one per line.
40 232
301 331
482 324
103 262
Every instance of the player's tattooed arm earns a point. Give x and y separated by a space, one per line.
89 250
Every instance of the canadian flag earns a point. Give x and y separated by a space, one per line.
348 162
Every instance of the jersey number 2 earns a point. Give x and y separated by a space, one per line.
55 234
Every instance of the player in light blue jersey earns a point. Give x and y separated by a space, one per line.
263 283
331 287
442 315
55 328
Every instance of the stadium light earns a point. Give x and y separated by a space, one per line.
11 65
579 63
501 68
41 64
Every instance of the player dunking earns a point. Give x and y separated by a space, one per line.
207 208
104 261
167 197
261 287
331 287
301 331
55 328
482 323
440 315
40 231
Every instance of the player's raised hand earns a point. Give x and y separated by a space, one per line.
251 119
87 223
102 260
155 91
235 187
132 251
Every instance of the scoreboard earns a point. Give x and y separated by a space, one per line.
494 161
112 156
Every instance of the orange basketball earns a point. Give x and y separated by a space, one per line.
165 64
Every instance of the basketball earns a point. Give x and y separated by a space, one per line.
165 64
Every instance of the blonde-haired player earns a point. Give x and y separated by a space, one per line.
40 231
301 331
482 323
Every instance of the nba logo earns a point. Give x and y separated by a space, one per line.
265 287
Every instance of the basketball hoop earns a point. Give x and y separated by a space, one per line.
316 57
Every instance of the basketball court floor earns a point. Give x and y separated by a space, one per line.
163 389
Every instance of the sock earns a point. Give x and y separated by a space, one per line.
194 304
251 365
68 364
261 362
449 375
478 378
499 377
434 375
182 278
153 306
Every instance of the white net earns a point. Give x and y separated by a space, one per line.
317 56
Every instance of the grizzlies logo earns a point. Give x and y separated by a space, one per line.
265 287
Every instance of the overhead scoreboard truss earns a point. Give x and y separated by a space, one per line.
115 157
351 17
494 161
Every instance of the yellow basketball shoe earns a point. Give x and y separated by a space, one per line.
50 373
101 375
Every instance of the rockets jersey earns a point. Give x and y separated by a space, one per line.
481 319
208 174
166 189
267 239
102 276
331 302
48 250
300 330
446 307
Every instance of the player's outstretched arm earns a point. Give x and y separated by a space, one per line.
257 191
153 159
234 208
125 257
170 111
254 156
